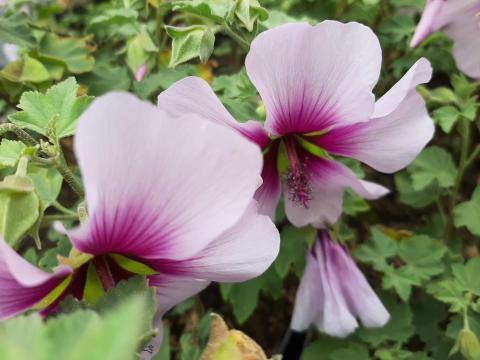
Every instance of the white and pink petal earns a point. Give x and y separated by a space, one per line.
193 95
22 284
159 187
399 129
241 253
328 181
312 77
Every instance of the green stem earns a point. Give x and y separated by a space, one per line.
68 175
52 218
63 209
465 160
25 137
239 39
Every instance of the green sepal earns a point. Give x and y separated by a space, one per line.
133 266
93 286
54 294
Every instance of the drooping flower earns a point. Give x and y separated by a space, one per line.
333 292
316 83
162 200
460 19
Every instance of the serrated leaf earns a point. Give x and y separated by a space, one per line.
416 199
433 164
81 335
10 152
468 213
446 117
190 42
423 255
376 251
467 275
138 286
71 52
59 108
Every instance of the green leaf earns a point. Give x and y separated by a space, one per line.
189 350
402 280
352 352
49 260
48 182
26 69
213 9
411 197
138 286
70 52
14 30
446 117
450 292
422 255
249 12
463 87
190 42
106 77
113 22
58 108
81 335
354 204
138 49
376 251
244 296
19 209
467 275
324 347
10 152
468 213
398 329
433 164
292 251
154 83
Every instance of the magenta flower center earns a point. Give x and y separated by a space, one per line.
297 178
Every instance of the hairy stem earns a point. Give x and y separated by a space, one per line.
68 175
22 135
238 39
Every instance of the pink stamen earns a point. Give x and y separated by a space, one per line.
297 180
104 272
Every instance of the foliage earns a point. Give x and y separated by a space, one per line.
418 247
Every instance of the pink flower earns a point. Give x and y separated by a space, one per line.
159 193
333 293
461 21
316 84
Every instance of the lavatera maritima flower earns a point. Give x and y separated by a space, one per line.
333 292
173 198
460 20
316 83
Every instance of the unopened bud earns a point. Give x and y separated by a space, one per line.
468 345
